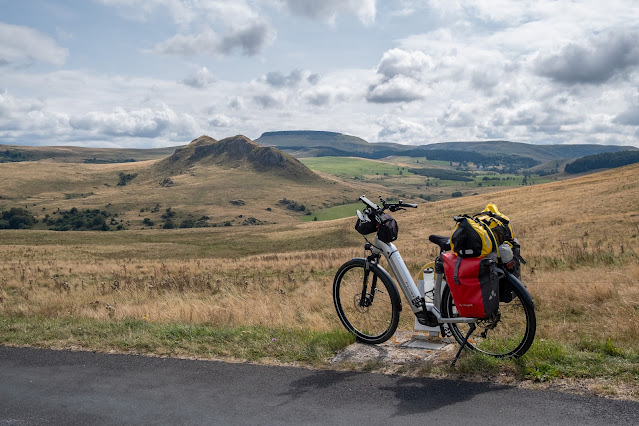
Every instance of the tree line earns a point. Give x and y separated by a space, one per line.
606 160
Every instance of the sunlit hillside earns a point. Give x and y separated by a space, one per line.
218 183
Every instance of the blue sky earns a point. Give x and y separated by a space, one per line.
150 73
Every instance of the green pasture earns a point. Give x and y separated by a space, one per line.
347 167
419 161
337 212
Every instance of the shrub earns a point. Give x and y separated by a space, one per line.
17 218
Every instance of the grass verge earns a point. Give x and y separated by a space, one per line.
600 368
259 344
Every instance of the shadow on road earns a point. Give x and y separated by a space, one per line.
422 395
406 395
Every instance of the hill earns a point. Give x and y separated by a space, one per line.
311 144
77 154
234 152
206 183
605 160
541 153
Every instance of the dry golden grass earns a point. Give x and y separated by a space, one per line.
580 238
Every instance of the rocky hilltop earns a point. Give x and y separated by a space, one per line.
234 152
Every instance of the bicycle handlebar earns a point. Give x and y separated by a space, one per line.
390 206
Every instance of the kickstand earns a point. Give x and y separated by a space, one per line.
470 331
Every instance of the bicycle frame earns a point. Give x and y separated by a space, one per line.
406 283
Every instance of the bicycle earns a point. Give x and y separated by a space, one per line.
368 303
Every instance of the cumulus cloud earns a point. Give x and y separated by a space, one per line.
22 119
396 89
630 117
329 10
403 77
220 120
200 79
278 79
318 97
396 62
19 45
458 115
238 26
249 40
142 123
399 130
603 57
267 100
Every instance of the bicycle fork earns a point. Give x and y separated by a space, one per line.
365 300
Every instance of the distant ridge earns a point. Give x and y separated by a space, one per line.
319 143
233 152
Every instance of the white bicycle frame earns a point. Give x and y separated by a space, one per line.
406 283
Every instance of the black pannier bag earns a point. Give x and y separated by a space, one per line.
387 229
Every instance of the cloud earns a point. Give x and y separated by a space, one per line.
630 117
200 79
318 97
458 115
396 62
22 119
329 10
250 40
19 44
278 79
399 130
602 58
397 89
220 120
267 100
403 77
141 123
238 26
236 103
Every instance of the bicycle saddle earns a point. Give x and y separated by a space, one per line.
442 242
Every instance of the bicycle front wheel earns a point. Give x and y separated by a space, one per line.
507 333
367 303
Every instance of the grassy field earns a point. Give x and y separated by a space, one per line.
188 292
349 167
337 212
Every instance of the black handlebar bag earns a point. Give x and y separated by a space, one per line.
387 230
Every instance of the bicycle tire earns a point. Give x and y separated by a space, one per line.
377 322
514 331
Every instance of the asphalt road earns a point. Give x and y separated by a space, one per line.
62 387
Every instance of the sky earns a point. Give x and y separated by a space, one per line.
154 73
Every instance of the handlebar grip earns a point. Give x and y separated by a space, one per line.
368 202
411 205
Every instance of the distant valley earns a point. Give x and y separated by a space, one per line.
281 177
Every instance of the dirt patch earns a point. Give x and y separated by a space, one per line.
403 348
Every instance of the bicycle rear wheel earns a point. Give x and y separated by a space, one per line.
367 303
507 333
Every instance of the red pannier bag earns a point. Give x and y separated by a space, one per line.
474 284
